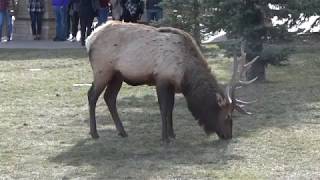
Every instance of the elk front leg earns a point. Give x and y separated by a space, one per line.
110 98
170 107
165 95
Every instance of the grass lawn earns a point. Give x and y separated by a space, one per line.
44 125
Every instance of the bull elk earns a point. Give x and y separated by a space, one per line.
168 59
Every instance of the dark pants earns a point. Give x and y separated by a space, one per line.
68 25
74 23
36 22
85 26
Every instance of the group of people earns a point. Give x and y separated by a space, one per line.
70 13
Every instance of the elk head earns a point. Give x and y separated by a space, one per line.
231 103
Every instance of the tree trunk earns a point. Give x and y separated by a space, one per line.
258 70
196 21
254 48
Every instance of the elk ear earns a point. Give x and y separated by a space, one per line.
220 100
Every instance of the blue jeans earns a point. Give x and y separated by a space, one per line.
154 14
3 15
103 16
61 18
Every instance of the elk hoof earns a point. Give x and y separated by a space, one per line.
94 135
123 134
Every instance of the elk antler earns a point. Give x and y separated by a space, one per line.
240 67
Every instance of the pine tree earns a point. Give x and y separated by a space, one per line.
241 19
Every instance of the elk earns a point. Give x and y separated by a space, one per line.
168 59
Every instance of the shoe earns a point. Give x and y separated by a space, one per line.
72 39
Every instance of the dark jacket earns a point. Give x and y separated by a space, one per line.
74 6
104 3
86 8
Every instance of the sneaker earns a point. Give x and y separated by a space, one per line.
72 39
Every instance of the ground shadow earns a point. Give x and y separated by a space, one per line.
142 154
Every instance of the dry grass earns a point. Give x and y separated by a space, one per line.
44 126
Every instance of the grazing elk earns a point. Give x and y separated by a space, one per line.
167 58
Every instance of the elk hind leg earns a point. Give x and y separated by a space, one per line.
110 98
93 95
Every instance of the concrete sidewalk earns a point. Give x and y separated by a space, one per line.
42 44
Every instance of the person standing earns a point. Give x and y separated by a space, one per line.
154 11
74 7
36 9
3 14
11 13
103 12
87 15
60 9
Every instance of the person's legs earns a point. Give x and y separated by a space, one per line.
75 23
39 24
67 22
10 27
64 23
89 25
83 20
2 16
33 23
60 25
126 15
58 20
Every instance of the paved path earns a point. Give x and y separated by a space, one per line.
42 44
